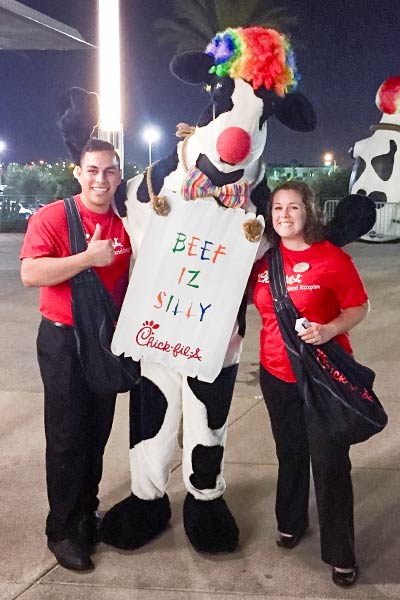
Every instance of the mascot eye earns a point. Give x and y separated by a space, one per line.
218 86
208 88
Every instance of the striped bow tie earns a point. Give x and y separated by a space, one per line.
198 185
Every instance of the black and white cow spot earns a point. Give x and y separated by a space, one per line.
216 396
383 163
147 410
206 465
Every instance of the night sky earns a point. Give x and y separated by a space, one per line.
345 50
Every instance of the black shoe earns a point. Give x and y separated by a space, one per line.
289 542
345 579
71 554
88 528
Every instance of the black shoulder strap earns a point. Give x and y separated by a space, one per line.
77 239
78 243
277 284
276 274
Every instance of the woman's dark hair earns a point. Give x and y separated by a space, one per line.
313 228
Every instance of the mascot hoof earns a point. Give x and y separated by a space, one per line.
209 525
252 230
133 522
160 206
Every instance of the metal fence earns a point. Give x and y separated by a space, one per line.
387 224
16 210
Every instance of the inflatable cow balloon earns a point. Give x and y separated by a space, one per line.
376 170
250 75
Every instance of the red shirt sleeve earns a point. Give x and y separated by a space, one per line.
47 233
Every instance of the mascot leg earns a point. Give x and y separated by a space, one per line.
208 522
154 425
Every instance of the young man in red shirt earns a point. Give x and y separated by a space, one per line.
77 421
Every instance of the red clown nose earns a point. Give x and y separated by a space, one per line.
233 145
388 96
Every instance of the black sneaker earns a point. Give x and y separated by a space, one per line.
71 554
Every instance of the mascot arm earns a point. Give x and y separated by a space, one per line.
77 118
259 196
354 216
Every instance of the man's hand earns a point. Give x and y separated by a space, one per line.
48 270
99 253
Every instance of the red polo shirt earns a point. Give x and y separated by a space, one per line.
329 284
47 235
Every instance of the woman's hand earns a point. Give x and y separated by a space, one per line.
320 333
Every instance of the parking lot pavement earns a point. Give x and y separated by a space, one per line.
168 568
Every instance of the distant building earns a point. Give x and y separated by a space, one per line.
278 173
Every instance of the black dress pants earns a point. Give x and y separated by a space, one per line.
77 426
331 472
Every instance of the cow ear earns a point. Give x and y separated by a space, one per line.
354 216
77 118
296 112
192 67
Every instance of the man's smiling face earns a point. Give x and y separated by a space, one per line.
99 176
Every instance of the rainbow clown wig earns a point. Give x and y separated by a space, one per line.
263 57
388 96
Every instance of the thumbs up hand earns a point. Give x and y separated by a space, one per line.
99 253
97 233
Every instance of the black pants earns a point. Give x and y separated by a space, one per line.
331 471
77 427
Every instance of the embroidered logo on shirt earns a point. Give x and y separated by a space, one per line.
119 248
116 243
290 279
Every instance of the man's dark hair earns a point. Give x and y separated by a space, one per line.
96 145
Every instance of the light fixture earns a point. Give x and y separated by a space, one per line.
151 135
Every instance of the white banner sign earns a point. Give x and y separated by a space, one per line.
186 288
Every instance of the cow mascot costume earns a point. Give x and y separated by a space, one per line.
251 75
376 170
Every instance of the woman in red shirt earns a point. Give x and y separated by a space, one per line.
326 288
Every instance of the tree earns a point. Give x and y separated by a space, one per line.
334 186
43 182
195 22
66 184
29 180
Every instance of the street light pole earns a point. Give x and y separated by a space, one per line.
2 148
110 128
151 135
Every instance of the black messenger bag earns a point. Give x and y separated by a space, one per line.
339 403
95 316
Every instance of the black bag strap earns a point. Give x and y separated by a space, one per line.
277 283
77 238
286 314
78 243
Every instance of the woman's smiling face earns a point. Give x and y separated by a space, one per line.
288 215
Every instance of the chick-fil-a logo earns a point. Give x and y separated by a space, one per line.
339 376
145 337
